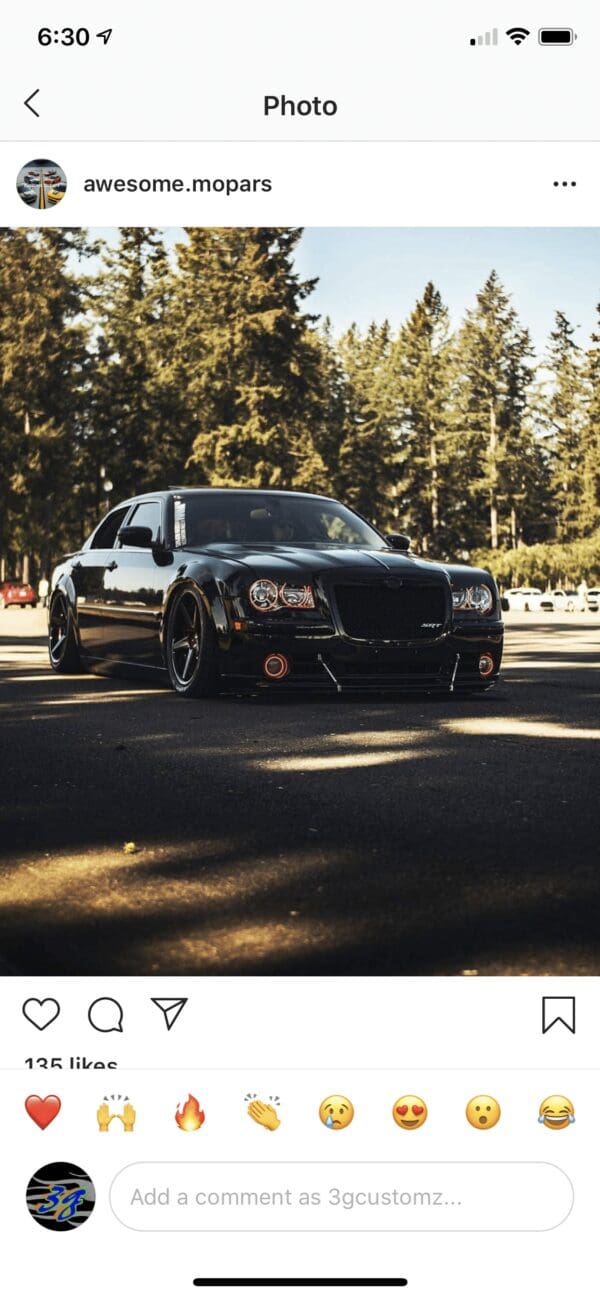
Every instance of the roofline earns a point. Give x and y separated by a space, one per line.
163 492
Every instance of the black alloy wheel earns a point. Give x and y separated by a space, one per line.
62 640
191 646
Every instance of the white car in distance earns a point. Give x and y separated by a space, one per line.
523 599
563 601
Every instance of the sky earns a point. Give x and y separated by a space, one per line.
379 273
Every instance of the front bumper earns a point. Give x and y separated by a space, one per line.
320 659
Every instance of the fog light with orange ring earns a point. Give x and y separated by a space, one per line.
486 665
276 666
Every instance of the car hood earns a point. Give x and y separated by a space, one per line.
309 560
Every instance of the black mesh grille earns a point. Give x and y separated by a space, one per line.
379 612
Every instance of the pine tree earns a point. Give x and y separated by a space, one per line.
493 443
421 366
329 412
134 410
589 480
367 452
564 411
247 357
42 367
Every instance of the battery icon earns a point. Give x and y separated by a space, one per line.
556 36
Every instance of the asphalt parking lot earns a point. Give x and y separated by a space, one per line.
143 833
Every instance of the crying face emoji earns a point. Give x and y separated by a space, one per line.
556 1112
336 1112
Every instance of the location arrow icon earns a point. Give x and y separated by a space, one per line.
28 103
171 1008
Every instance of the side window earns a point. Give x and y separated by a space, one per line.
146 515
105 536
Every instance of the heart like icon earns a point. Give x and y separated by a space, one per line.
41 1013
42 1111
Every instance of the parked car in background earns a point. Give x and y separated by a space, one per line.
593 599
562 601
15 592
525 599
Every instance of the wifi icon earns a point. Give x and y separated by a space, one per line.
517 34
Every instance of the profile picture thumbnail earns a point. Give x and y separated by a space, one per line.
41 183
60 1196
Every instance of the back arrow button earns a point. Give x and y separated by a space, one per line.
28 105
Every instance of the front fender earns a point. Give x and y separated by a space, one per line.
211 592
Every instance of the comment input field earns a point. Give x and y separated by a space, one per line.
341 1197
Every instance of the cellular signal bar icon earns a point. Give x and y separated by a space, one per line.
487 38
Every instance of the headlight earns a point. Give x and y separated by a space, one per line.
263 594
473 599
297 597
481 598
266 596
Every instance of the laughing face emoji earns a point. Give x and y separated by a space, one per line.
557 1112
409 1112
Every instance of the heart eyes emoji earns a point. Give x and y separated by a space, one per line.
409 1112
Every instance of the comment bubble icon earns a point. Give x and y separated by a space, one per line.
106 1015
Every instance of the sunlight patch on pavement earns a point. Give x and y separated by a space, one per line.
13 656
516 664
371 739
528 729
236 944
336 761
157 880
26 679
98 697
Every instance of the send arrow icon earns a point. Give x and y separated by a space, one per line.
171 1008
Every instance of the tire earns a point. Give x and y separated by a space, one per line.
63 649
526 608
190 646
570 607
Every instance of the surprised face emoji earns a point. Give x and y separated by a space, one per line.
483 1112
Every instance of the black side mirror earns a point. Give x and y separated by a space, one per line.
398 540
133 536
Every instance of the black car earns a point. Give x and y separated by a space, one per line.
210 588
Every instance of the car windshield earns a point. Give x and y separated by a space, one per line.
256 519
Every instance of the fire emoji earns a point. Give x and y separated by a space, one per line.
189 1117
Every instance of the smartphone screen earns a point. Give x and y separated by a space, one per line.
299 631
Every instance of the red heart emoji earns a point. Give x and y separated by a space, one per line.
417 1109
402 1109
42 1111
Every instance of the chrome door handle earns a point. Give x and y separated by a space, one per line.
111 567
